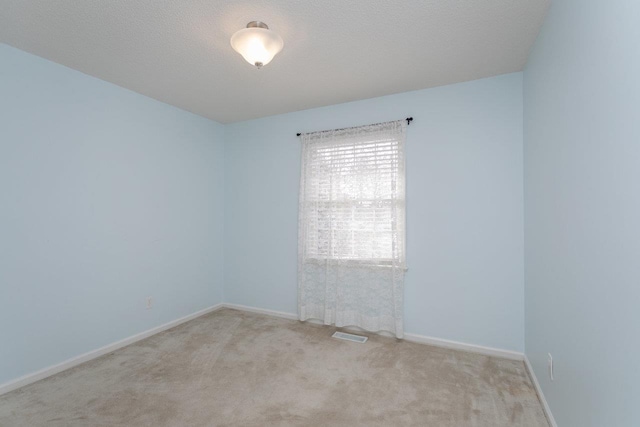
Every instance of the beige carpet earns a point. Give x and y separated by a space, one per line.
231 368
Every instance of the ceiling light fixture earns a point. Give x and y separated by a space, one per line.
257 43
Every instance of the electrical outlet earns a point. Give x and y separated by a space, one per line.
149 302
550 365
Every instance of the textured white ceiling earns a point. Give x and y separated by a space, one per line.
177 51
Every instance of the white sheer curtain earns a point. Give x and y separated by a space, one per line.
351 258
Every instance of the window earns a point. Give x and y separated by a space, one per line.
353 195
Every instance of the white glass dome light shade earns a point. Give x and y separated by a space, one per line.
257 43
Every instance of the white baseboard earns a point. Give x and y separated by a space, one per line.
284 315
75 361
421 339
470 348
536 384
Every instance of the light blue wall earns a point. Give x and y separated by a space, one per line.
464 207
107 197
582 210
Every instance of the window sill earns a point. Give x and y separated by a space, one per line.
353 263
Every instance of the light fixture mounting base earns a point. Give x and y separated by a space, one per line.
257 24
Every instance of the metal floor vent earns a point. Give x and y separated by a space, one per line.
349 337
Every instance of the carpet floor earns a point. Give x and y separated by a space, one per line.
232 368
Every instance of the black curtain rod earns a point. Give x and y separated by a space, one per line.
408 119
